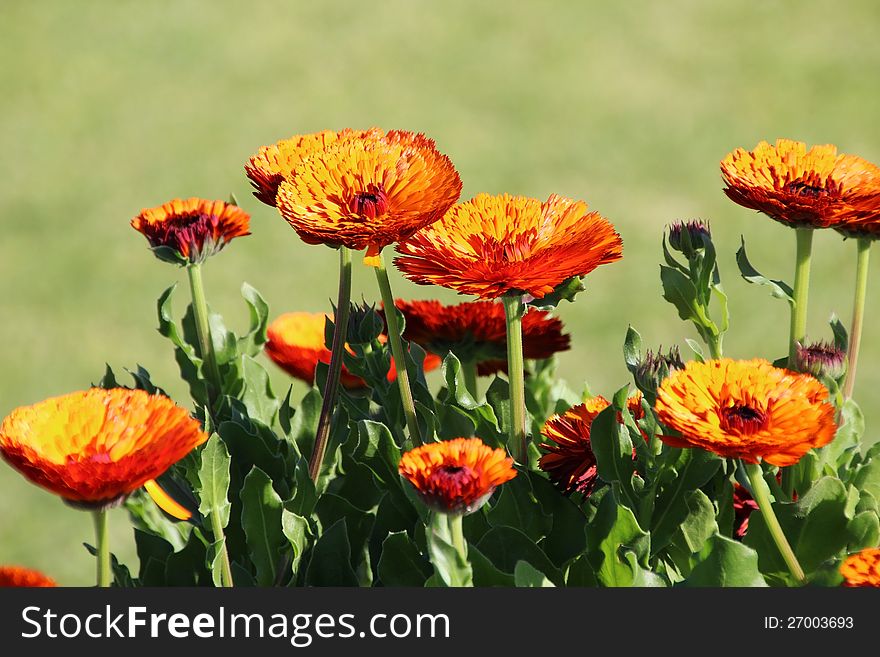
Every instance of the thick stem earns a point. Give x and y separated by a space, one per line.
469 371
203 329
801 292
220 537
761 493
456 529
715 349
102 545
855 335
517 435
406 396
331 387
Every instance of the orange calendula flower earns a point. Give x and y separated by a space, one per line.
796 186
15 576
296 344
272 164
477 332
96 447
192 230
456 476
368 190
862 568
746 409
569 461
492 245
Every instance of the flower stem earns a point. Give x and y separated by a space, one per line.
855 335
469 371
331 386
456 529
220 537
203 329
406 396
102 545
517 445
761 493
801 292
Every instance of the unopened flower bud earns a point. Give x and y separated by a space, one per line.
687 236
821 359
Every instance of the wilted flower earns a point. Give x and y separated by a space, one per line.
192 230
94 448
476 332
746 409
15 576
368 189
821 359
569 462
456 476
797 187
686 236
862 568
492 245
296 344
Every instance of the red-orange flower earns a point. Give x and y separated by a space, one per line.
23 577
492 245
191 230
367 190
296 344
476 332
746 409
569 462
94 448
272 164
795 186
862 568
456 476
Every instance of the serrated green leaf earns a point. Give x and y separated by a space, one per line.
297 532
214 481
261 512
614 528
527 576
725 562
401 563
330 564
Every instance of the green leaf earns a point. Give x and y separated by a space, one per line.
697 526
526 575
304 424
565 291
614 528
680 292
401 563
613 450
214 481
778 289
867 477
839 452
516 506
330 564
863 531
377 450
580 573
297 531
449 564
504 546
841 339
251 343
725 562
485 572
565 539
261 519
257 396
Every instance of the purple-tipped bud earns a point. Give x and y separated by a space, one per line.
821 359
687 236
655 367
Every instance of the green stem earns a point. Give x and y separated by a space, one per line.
406 396
456 529
715 347
337 348
761 493
102 545
513 309
855 335
469 371
220 537
203 329
801 292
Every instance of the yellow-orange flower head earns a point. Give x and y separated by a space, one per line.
296 344
192 230
456 476
569 462
862 568
94 448
492 245
272 164
15 576
746 409
800 187
368 190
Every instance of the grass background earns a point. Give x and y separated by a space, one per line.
112 106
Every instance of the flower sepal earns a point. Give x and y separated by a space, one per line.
170 255
565 291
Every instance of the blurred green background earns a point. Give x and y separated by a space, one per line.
109 107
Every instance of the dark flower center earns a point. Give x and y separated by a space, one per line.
454 475
803 189
371 203
742 419
184 233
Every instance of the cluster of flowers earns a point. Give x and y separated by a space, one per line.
368 190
